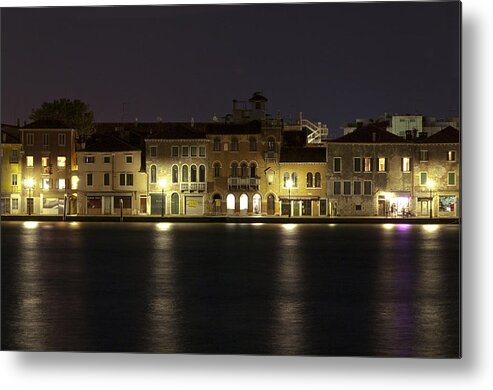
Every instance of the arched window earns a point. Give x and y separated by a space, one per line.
318 180
256 204
294 178
217 169
230 203
243 203
193 173
271 144
234 169
234 144
202 173
244 169
253 169
174 174
175 203
286 178
184 173
217 144
309 179
253 144
153 174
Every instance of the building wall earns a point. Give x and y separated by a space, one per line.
116 166
11 192
48 197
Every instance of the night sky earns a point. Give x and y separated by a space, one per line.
334 62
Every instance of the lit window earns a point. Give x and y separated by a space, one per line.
451 179
129 159
337 164
61 184
294 179
451 155
61 139
406 164
368 164
29 161
89 159
45 161
75 182
46 184
382 164
61 161
423 178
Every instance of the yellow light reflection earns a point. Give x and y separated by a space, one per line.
388 226
257 224
163 226
430 228
74 225
289 226
31 224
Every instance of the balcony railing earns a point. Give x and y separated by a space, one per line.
243 183
193 187
270 156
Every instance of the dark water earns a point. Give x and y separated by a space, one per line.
363 290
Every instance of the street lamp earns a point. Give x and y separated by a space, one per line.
289 184
30 185
430 184
162 184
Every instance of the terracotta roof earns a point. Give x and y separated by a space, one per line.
46 124
449 135
307 154
108 143
373 132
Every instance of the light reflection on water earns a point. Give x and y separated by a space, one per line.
230 288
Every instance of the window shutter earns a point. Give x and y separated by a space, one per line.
402 164
386 164
410 164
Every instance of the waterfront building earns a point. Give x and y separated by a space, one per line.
47 164
11 178
111 177
177 170
373 172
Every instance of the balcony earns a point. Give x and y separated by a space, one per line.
270 156
193 187
243 183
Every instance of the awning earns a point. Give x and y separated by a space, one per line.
420 199
288 198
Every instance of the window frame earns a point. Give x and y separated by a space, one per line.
448 178
339 159
62 139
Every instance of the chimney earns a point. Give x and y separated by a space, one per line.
415 133
374 137
409 135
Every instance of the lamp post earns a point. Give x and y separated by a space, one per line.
430 184
289 184
162 184
30 186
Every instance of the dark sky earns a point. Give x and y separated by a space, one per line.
334 62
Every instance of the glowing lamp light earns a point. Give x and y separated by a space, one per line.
162 183
289 183
29 182
430 184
